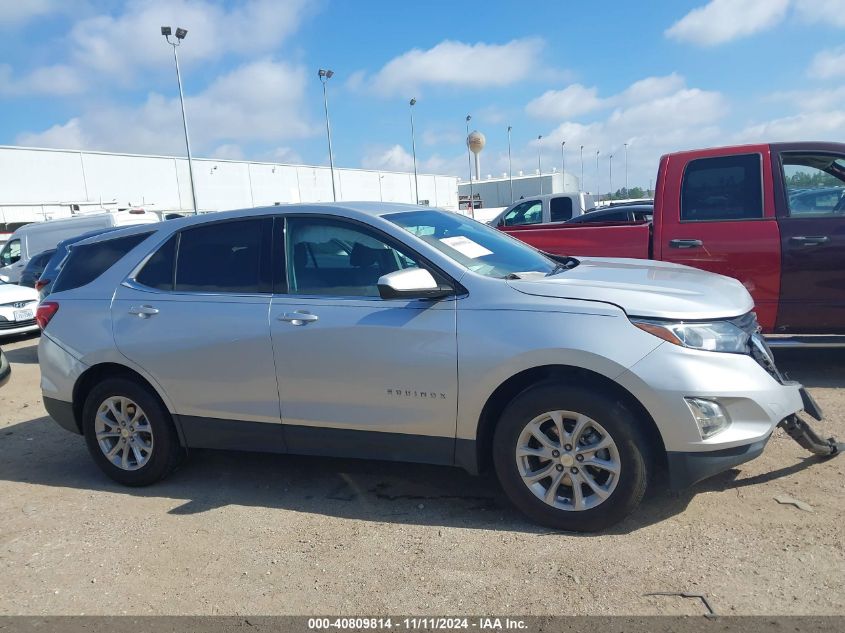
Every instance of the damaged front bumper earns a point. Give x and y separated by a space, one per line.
688 468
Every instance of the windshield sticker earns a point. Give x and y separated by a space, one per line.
466 246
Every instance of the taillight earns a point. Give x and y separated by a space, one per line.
46 311
41 283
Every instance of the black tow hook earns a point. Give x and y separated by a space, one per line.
801 432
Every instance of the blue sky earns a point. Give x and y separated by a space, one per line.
660 76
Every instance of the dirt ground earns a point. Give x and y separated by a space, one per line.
238 533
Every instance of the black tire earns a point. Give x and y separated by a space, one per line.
166 451
619 422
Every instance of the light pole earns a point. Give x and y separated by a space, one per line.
611 176
598 183
627 195
582 168
324 76
510 165
469 163
540 166
180 35
563 164
413 102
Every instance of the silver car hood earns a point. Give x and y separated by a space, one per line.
644 288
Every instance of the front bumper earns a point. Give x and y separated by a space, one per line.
755 401
686 469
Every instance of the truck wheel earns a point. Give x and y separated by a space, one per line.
571 458
129 432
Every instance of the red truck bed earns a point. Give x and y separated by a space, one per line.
609 239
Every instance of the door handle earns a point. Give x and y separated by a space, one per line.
810 240
685 243
299 317
143 312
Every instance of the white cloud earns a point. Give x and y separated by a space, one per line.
812 100
228 151
651 88
57 80
452 63
120 44
824 11
806 126
721 21
575 99
562 104
284 155
395 158
828 64
17 12
67 136
258 102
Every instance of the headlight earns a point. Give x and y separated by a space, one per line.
715 336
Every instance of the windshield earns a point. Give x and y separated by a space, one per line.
480 248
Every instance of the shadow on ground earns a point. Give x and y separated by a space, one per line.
26 355
813 367
39 452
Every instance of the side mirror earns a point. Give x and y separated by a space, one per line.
411 283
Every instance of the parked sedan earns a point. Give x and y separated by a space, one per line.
17 309
619 213
34 267
399 332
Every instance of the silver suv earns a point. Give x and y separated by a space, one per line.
399 332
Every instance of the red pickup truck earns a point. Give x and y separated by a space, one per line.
772 216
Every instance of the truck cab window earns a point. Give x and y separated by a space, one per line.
722 188
560 209
530 212
815 184
11 253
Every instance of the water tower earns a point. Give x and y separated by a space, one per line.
476 142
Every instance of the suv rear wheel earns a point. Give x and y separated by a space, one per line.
129 433
571 458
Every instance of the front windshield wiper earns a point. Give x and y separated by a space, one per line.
562 266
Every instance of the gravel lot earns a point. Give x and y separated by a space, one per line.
238 533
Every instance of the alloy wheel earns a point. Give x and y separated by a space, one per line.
124 433
568 460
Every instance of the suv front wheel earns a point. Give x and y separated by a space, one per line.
571 458
129 432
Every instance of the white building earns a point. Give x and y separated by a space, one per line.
496 192
41 184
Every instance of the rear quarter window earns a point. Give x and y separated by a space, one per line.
85 263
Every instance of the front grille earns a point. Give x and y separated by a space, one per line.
19 304
12 325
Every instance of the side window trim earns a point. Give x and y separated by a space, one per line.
762 217
394 243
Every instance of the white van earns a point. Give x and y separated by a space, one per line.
31 239
546 209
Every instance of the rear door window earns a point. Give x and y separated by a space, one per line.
561 209
723 188
87 262
225 257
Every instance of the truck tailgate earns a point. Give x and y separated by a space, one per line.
608 240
